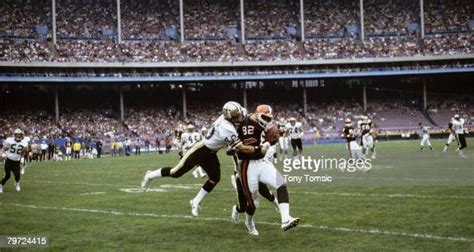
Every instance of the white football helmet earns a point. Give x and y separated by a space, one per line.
18 133
233 112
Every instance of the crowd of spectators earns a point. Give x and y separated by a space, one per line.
150 30
19 18
330 18
448 15
229 51
267 19
148 19
85 19
157 125
391 17
209 19
13 50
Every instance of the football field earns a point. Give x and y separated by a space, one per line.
408 201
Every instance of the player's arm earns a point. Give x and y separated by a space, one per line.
6 146
248 149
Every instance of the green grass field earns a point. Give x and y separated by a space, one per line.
409 201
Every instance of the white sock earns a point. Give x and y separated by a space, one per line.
284 211
248 218
200 196
155 174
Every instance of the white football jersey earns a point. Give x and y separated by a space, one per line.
425 130
221 134
458 126
296 131
13 149
190 139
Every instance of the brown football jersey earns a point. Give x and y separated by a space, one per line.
250 133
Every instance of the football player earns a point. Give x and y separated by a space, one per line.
26 154
204 153
256 167
283 141
68 147
348 133
295 130
367 137
177 142
458 125
14 148
451 137
188 140
425 136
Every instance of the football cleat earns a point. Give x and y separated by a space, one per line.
235 215
146 182
251 228
17 186
291 223
195 209
1 189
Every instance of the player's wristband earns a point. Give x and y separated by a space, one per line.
258 150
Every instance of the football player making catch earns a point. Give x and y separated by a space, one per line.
14 148
204 153
257 168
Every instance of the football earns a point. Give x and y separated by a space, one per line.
272 135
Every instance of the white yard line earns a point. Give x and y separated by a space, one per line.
309 226
195 186
91 193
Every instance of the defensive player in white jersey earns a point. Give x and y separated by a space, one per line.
295 130
188 139
222 134
425 136
283 141
14 148
458 126
451 137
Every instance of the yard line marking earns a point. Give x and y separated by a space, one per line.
194 186
91 193
310 226
397 195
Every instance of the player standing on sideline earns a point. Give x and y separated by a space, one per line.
458 125
257 168
295 130
177 142
367 137
14 148
451 137
68 147
425 137
283 141
204 153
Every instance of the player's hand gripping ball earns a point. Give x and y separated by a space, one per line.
272 135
